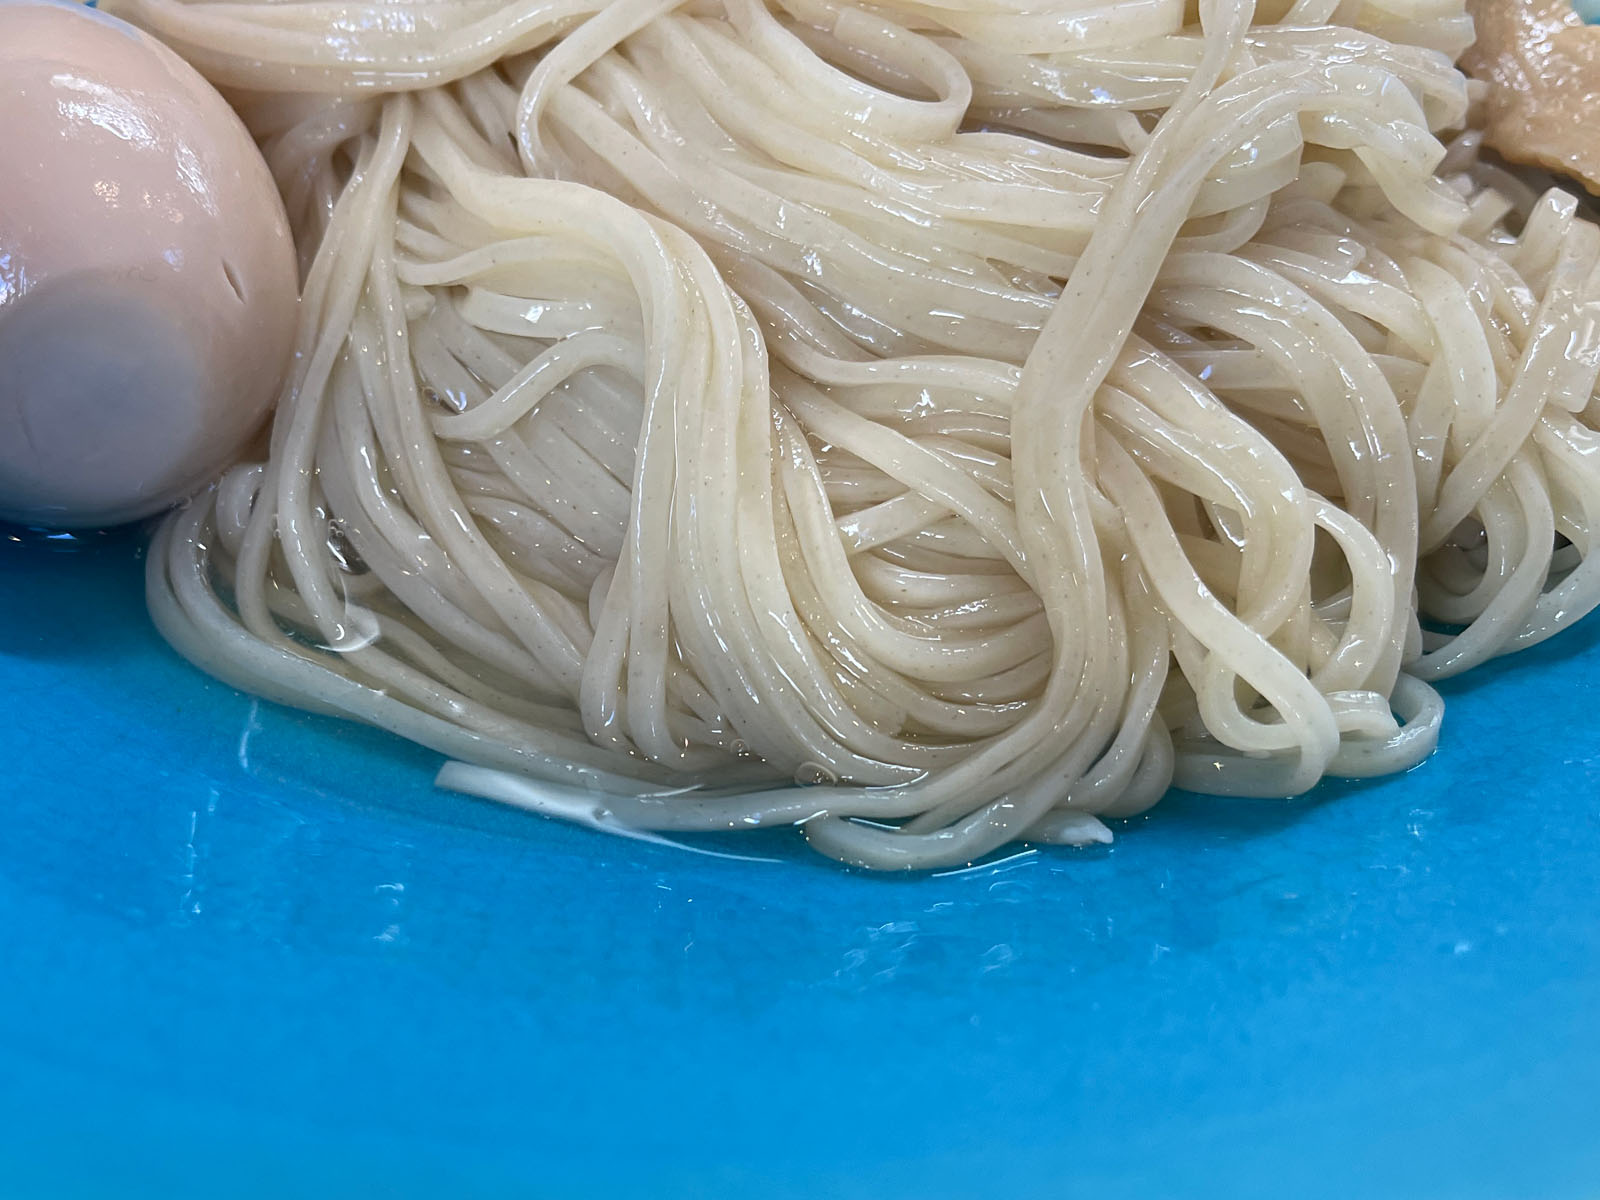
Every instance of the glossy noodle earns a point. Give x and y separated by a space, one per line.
987 415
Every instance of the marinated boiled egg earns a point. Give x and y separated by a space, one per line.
148 286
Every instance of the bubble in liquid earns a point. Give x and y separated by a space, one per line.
343 551
814 774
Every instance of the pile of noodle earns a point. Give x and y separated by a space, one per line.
986 413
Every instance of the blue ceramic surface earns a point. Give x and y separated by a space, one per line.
246 952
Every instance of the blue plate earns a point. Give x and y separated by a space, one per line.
249 952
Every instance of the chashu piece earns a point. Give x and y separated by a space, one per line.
1542 67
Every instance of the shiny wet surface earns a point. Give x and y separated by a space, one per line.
251 952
